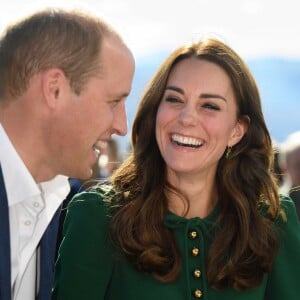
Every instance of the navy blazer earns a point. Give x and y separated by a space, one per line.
47 250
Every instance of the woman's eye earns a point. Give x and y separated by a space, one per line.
172 99
211 106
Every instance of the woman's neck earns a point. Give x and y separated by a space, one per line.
201 195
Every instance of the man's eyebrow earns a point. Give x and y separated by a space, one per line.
125 95
120 96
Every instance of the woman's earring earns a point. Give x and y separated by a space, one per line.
228 152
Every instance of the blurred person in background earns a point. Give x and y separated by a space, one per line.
64 78
277 169
290 163
109 160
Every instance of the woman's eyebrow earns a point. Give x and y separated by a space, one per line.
175 88
208 95
203 95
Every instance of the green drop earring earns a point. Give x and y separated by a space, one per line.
228 152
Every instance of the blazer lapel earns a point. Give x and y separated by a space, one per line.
47 248
5 271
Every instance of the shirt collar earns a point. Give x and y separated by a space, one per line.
57 187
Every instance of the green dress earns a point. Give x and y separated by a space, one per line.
89 269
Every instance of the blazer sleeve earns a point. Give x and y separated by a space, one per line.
283 282
84 265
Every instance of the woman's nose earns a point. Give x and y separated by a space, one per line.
188 116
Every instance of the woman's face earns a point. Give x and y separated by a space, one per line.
197 118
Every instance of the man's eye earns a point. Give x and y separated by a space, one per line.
115 102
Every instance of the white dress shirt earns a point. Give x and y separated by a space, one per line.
31 208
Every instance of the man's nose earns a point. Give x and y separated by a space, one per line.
120 121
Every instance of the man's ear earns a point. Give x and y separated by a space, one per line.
53 84
239 130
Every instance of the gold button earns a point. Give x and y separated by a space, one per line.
197 293
192 234
195 251
197 273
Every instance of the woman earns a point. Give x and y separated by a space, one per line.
194 211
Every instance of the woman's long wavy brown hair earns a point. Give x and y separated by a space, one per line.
248 239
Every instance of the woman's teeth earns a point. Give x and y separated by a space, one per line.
186 141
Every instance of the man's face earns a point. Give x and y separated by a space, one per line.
89 119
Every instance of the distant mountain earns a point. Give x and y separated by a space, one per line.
278 80
279 83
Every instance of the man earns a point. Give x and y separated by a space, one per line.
64 78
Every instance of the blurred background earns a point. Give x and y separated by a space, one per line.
265 33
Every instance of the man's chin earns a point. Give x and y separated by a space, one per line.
85 175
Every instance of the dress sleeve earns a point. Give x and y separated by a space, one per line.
84 264
283 282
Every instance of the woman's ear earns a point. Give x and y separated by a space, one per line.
239 130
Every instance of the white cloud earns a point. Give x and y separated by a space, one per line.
251 27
